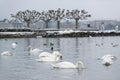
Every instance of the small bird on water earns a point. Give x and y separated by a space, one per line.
14 45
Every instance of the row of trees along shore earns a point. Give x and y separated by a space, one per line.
33 16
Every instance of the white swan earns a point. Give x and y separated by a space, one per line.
49 58
6 53
35 51
14 45
108 59
47 54
68 65
107 62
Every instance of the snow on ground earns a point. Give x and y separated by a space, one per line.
22 33
68 31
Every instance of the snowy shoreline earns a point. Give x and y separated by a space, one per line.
17 34
82 34
61 33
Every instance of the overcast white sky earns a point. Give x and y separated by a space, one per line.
99 9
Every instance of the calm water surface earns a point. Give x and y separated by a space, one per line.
22 66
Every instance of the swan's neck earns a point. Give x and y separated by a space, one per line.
79 63
56 58
30 50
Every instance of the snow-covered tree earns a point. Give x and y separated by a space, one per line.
58 15
46 17
77 15
27 16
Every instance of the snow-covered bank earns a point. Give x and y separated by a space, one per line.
22 33
78 33
17 34
60 33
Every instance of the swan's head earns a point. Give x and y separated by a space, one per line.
107 64
14 45
80 63
59 57
57 53
16 42
52 48
107 61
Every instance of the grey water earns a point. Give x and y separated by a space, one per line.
22 66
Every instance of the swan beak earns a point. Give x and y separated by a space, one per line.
107 64
61 57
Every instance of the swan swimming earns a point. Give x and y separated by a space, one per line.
49 58
108 59
6 53
47 54
14 45
68 65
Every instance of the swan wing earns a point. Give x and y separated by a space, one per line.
44 54
47 59
107 56
64 64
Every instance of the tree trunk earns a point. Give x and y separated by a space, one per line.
58 24
28 24
76 23
46 24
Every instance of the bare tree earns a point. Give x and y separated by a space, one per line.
46 17
58 16
77 15
27 16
